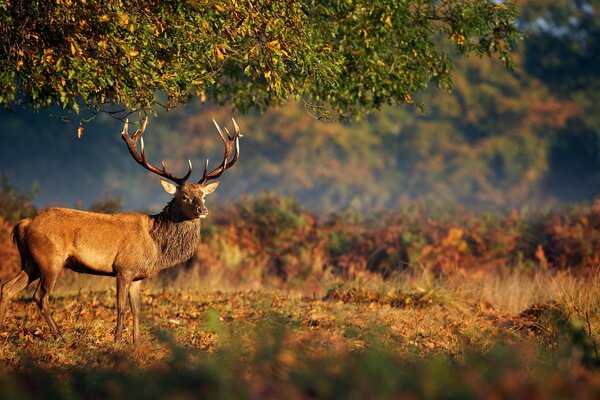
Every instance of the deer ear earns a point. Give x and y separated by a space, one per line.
168 186
208 189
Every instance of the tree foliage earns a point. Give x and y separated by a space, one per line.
564 42
349 54
527 136
563 51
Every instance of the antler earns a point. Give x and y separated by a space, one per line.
230 141
141 159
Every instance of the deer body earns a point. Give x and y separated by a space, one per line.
102 244
128 246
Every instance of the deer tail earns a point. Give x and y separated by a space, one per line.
16 232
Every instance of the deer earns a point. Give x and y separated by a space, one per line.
127 246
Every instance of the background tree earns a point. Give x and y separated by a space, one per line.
502 138
351 55
563 52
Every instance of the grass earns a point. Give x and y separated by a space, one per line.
458 335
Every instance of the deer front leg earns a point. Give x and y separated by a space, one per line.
123 285
135 303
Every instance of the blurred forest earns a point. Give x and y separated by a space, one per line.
526 137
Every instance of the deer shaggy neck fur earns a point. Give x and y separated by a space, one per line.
175 235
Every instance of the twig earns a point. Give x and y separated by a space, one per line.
78 300
589 324
416 321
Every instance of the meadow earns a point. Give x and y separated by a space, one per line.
281 303
477 278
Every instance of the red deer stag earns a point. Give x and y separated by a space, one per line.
128 246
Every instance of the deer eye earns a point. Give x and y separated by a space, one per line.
185 198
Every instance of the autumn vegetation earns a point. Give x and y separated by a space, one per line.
91 55
446 248
421 300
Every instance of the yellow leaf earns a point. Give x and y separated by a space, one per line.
427 249
104 18
123 18
220 55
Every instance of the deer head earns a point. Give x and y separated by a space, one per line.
188 197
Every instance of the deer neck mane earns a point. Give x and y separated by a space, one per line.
175 235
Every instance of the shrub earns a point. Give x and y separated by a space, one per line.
14 203
108 206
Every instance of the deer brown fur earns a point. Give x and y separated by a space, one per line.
128 246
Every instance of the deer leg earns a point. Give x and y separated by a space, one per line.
123 285
135 303
12 287
42 296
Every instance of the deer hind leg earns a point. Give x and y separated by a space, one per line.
14 286
42 296
135 303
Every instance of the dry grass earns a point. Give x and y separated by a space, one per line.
416 311
273 336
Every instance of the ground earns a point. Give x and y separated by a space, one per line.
275 337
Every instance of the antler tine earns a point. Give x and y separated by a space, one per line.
230 141
125 128
205 174
187 175
223 137
236 128
140 131
237 135
131 142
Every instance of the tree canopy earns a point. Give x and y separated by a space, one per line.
351 55
530 135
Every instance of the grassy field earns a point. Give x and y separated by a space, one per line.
503 333
280 303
